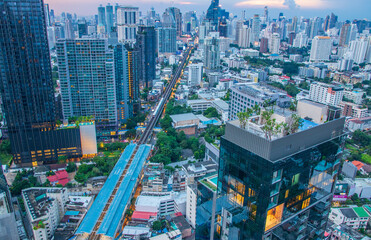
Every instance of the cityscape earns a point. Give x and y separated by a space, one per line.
185 120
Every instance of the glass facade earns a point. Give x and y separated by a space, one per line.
284 199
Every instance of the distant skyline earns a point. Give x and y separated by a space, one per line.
345 9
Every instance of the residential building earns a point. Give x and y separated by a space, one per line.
211 52
154 178
127 23
248 95
263 45
301 40
45 208
245 37
255 28
87 79
145 45
162 203
355 217
101 19
127 81
358 48
356 96
344 35
198 170
195 72
109 18
326 93
278 186
274 44
321 48
199 104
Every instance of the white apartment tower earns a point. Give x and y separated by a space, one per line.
127 23
274 43
245 37
321 48
326 93
195 74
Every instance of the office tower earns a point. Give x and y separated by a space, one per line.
239 25
146 46
189 21
280 185
166 34
87 78
52 17
177 15
263 45
47 15
195 74
211 52
127 23
109 18
292 36
245 37
127 85
82 28
333 20
212 15
301 40
344 35
315 27
326 24
321 48
51 37
255 28
223 27
101 26
326 93
280 17
295 24
266 19
358 48
68 29
274 43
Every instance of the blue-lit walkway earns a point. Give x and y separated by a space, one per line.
121 196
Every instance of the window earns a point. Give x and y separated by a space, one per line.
295 179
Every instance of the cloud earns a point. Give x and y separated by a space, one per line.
291 4
261 3
186 3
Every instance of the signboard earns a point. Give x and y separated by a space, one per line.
340 198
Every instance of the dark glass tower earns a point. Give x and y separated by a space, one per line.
212 13
280 188
26 85
146 47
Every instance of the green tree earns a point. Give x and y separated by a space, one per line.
166 121
71 167
291 90
211 112
157 225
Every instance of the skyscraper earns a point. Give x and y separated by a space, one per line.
87 78
109 18
212 14
101 19
212 53
177 15
255 28
127 23
277 187
127 85
166 34
146 47
27 88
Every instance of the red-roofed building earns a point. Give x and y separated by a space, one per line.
60 177
358 164
142 216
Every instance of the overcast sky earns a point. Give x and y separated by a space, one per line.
345 9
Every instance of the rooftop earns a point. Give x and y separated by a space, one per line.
361 212
183 117
348 212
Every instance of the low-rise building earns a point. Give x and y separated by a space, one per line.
199 104
197 170
161 203
45 208
355 218
187 122
222 107
356 96
154 179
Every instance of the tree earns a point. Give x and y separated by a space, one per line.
271 127
361 138
166 122
211 112
290 68
5 147
157 225
244 117
71 167
304 85
291 90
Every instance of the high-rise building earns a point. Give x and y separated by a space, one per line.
321 48
245 37
326 93
127 85
127 23
68 29
301 40
109 18
223 27
255 28
266 16
82 28
274 43
195 74
47 15
177 15
295 24
211 52
344 35
87 78
263 45
277 185
26 86
212 14
358 48
101 19
146 46
166 34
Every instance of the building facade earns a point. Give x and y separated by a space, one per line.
321 48
326 93
146 47
127 23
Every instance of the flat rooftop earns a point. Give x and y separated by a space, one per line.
183 117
